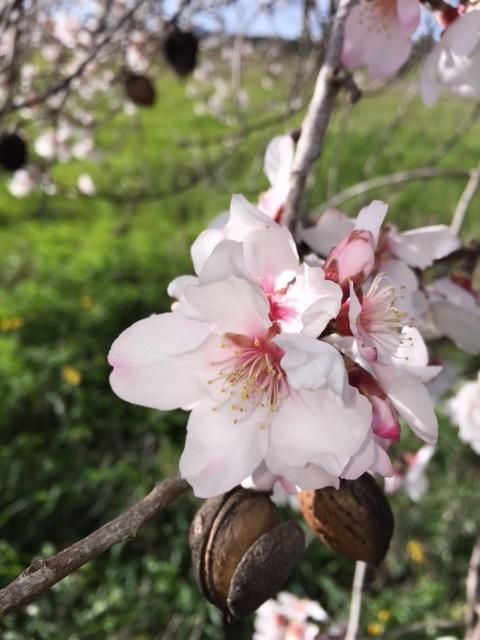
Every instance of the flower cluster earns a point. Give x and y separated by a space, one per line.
448 306
288 617
293 371
464 409
378 35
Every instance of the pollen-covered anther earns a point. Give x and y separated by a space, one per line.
380 317
251 375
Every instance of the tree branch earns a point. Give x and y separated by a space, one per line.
43 574
399 177
315 123
465 200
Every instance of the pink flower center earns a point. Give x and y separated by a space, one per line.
251 376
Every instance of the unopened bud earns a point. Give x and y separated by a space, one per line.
352 259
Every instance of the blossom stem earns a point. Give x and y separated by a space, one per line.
465 200
317 118
356 600
43 574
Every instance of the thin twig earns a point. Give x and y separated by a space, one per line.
399 177
472 619
460 131
356 600
315 123
465 200
43 574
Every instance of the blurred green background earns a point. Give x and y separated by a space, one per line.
75 271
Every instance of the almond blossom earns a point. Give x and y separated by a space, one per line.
225 352
454 62
464 410
288 618
254 345
397 254
277 166
378 35
410 474
453 310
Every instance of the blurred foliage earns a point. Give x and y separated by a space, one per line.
76 271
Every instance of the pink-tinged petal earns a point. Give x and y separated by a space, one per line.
330 229
315 300
311 364
270 257
371 457
405 281
219 221
411 399
278 160
245 218
365 345
408 12
219 452
371 218
271 202
177 286
305 477
460 325
412 350
203 246
158 362
429 84
327 430
224 261
233 305
375 37
421 247
463 35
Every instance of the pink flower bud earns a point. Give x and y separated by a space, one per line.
352 259
384 420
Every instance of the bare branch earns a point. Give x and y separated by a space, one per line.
65 83
43 574
473 596
316 120
356 600
465 200
399 177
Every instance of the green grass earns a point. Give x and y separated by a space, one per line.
79 270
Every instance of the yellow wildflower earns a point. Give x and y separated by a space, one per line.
87 303
375 629
72 376
384 615
416 552
11 324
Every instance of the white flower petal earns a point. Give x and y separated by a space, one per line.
233 305
411 399
371 218
421 247
219 453
311 364
318 427
158 361
331 228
